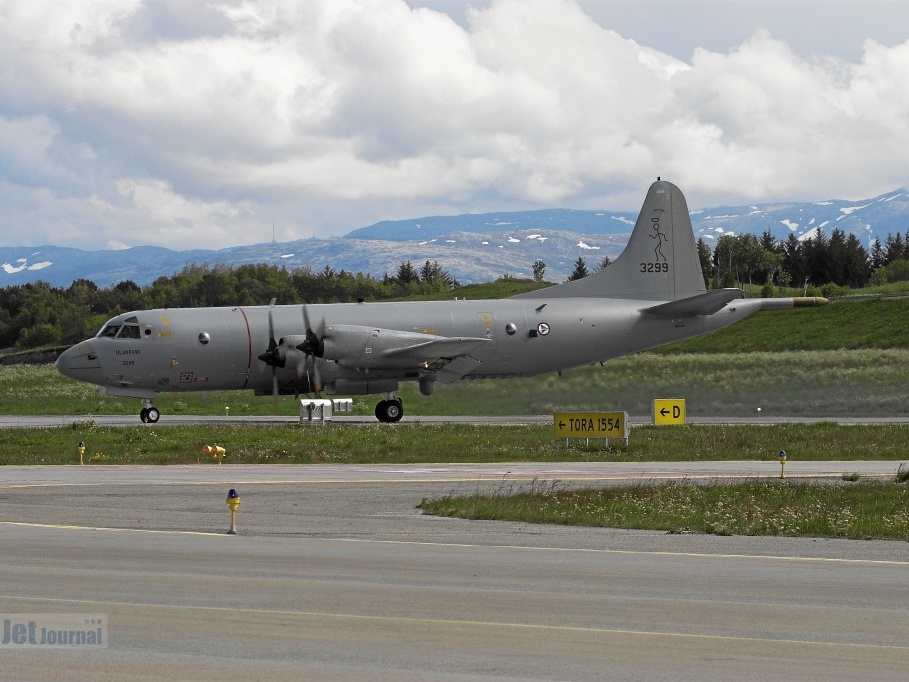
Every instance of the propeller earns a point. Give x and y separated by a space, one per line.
273 355
312 347
302 351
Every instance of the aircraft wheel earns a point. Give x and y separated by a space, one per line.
390 410
149 415
395 410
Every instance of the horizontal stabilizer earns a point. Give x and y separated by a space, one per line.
702 304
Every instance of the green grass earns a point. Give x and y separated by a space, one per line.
863 510
433 443
865 382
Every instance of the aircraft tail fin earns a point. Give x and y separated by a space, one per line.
660 262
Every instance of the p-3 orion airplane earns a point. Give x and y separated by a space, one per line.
653 294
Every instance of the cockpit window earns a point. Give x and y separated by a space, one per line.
125 331
129 331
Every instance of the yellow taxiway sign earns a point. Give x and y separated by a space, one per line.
591 424
668 411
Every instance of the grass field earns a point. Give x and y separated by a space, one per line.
432 443
859 510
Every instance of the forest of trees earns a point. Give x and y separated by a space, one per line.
35 315
820 262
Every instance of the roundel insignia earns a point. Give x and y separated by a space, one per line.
543 329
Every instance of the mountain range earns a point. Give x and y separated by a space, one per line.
471 248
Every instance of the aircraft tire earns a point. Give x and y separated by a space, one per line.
390 411
149 415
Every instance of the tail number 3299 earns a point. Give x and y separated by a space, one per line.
654 267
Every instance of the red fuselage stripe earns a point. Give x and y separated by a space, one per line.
249 347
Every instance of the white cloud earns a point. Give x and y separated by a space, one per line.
198 125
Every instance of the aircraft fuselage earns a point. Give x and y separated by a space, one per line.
192 349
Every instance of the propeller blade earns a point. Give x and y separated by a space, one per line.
272 356
315 371
314 381
312 347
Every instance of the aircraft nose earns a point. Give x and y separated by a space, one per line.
82 363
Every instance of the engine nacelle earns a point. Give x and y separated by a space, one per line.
370 347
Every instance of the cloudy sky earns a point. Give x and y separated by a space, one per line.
210 124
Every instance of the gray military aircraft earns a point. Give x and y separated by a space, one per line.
653 294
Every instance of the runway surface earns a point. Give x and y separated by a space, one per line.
336 575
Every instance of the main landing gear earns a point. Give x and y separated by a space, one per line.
390 410
149 413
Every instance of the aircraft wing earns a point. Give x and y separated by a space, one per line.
446 357
702 304
436 347
376 348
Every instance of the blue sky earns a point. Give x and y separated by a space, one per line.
211 124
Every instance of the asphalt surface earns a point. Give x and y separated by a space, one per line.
336 575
